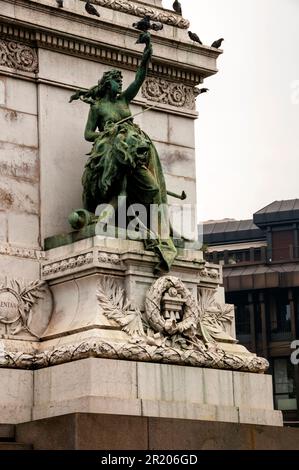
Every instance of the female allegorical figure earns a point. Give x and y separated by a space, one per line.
123 159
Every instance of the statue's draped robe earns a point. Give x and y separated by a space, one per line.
124 161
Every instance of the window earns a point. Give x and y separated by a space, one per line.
282 245
243 327
285 398
280 317
258 320
257 254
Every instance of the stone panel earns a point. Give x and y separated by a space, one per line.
3 227
18 128
177 160
154 123
19 162
19 196
23 230
168 383
181 131
253 391
18 268
21 95
2 91
16 391
98 377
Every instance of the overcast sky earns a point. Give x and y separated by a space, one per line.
247 134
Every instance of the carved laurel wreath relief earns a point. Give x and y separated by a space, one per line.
175 327
16 302
172 327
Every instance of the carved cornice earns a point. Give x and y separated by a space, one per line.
217 359
20 252
67 264
75 262
104 53
137 9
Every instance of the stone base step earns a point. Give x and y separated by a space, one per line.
7 432
7 439
14 446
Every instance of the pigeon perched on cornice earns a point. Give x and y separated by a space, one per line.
194 37
59 3
91 9
217 43
177 7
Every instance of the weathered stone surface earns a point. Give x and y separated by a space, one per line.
256 391
18 128
3 227
181 132
21 96
19 196
16 390
85 431
19 162
23 230
160 390
2 91
154 123
177 160
12 267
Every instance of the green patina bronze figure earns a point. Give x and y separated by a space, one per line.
123 160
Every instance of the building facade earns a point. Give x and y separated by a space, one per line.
260 259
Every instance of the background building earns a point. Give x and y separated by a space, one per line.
260 258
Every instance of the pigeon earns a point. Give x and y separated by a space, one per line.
144 24
217 44
194 37
157 26
202 90
177 7
91 9
59 3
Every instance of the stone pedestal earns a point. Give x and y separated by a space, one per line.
120 341
85 324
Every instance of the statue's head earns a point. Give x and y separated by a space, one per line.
110 82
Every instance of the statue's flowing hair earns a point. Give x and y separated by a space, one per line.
99 90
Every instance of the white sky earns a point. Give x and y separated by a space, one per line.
247 134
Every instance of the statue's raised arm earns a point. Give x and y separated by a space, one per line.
133 89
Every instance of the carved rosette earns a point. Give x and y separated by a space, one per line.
169 93
18 56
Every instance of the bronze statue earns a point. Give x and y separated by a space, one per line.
123 160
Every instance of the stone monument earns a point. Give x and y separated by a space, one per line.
87 323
